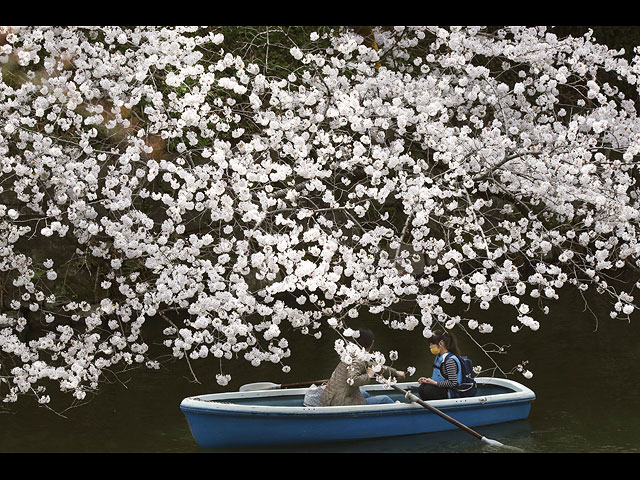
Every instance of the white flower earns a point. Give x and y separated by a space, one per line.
296 53
223 380
485 328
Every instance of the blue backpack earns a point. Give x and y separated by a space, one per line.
468 386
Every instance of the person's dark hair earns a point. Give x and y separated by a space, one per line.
365 339
449 340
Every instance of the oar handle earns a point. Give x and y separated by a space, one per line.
300 384
441 414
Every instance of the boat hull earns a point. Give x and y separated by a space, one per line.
277 417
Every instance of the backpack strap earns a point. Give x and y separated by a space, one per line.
464 386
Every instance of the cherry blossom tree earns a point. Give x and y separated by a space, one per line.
211 194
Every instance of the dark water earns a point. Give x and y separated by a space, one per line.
586 383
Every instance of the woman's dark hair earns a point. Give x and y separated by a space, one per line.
449 341
365 339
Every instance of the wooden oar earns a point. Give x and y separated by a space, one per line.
483 439
250 387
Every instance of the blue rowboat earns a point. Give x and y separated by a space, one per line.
278 417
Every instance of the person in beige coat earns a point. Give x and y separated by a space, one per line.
343 388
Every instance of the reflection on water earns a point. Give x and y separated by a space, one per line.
584 380
513 434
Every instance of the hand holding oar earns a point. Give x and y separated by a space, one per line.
483 439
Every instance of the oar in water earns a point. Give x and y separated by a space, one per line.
250 387
483 439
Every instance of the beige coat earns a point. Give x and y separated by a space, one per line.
344 385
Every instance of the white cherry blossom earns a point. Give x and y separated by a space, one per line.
165 191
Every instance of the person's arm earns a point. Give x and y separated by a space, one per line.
388 372
357 374
450 370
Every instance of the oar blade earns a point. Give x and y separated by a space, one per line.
500 446
491 442
251 387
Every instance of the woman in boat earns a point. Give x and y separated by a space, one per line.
446 378
343 388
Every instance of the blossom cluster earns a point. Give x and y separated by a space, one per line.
161 192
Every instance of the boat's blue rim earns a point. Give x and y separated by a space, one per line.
365 411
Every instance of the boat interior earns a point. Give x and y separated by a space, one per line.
295 399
